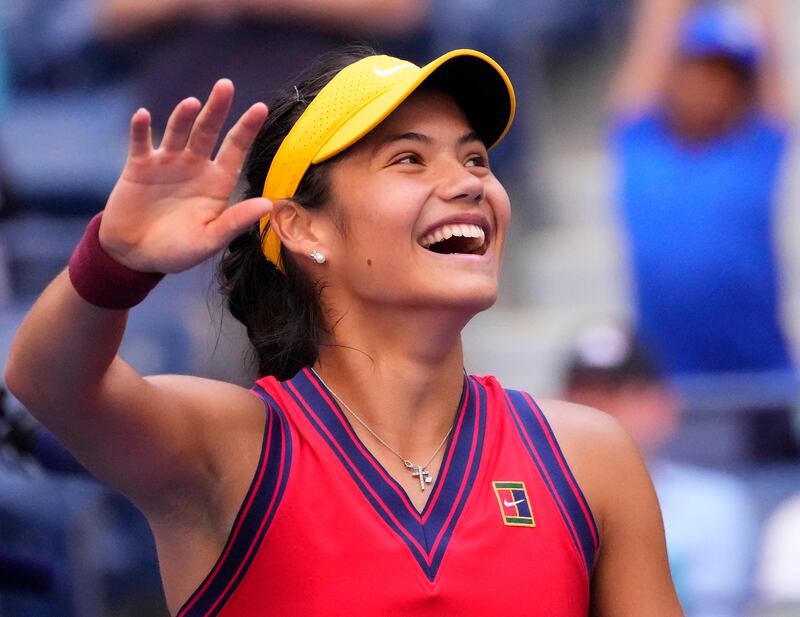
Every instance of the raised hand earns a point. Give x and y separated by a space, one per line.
169 210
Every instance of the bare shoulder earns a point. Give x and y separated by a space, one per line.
224 417
599 451
578 419
586 433
211 398
196 434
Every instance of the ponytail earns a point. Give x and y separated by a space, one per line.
280 310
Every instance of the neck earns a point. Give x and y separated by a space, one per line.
401 373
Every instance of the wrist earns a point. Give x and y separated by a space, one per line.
103 281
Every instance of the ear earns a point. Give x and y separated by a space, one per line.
296 227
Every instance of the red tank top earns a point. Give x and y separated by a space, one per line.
324 530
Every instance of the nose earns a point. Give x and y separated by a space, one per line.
458 183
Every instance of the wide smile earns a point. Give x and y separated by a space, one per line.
456 238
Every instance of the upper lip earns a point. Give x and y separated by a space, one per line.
466 218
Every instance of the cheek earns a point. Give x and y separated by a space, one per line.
378 229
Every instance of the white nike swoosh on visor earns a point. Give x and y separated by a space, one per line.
390 71
508 504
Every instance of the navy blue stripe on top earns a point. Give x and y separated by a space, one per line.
539 440
253 520
426 534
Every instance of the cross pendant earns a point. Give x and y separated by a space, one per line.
421 473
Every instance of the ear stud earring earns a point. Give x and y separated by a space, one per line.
317 256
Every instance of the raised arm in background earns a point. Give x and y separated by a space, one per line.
652 48
772 89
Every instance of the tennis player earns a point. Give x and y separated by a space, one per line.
365 473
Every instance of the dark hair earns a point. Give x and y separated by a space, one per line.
281 310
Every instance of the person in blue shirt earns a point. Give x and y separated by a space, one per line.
698 136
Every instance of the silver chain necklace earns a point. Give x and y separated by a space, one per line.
417 471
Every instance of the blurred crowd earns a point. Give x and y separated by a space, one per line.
686 105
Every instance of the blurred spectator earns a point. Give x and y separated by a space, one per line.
708 516
779 569
183 46
699 133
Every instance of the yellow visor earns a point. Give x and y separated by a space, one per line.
363 94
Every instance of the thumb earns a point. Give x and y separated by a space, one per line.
236 219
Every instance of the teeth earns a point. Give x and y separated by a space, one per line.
447 231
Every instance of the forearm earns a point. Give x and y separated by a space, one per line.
655 28
651 50
63 351
772 90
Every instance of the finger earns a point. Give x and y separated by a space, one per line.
237 219
179 125
206 128
239 139
141 142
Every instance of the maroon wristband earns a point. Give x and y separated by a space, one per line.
103 281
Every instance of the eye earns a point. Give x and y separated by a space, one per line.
478 160
408 159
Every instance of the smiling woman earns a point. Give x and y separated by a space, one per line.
366 473
275 300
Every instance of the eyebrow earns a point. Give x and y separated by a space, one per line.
425 139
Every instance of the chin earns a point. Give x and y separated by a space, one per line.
468 300
456 293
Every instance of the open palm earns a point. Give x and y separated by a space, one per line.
170 208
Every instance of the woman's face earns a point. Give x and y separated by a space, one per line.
422 217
